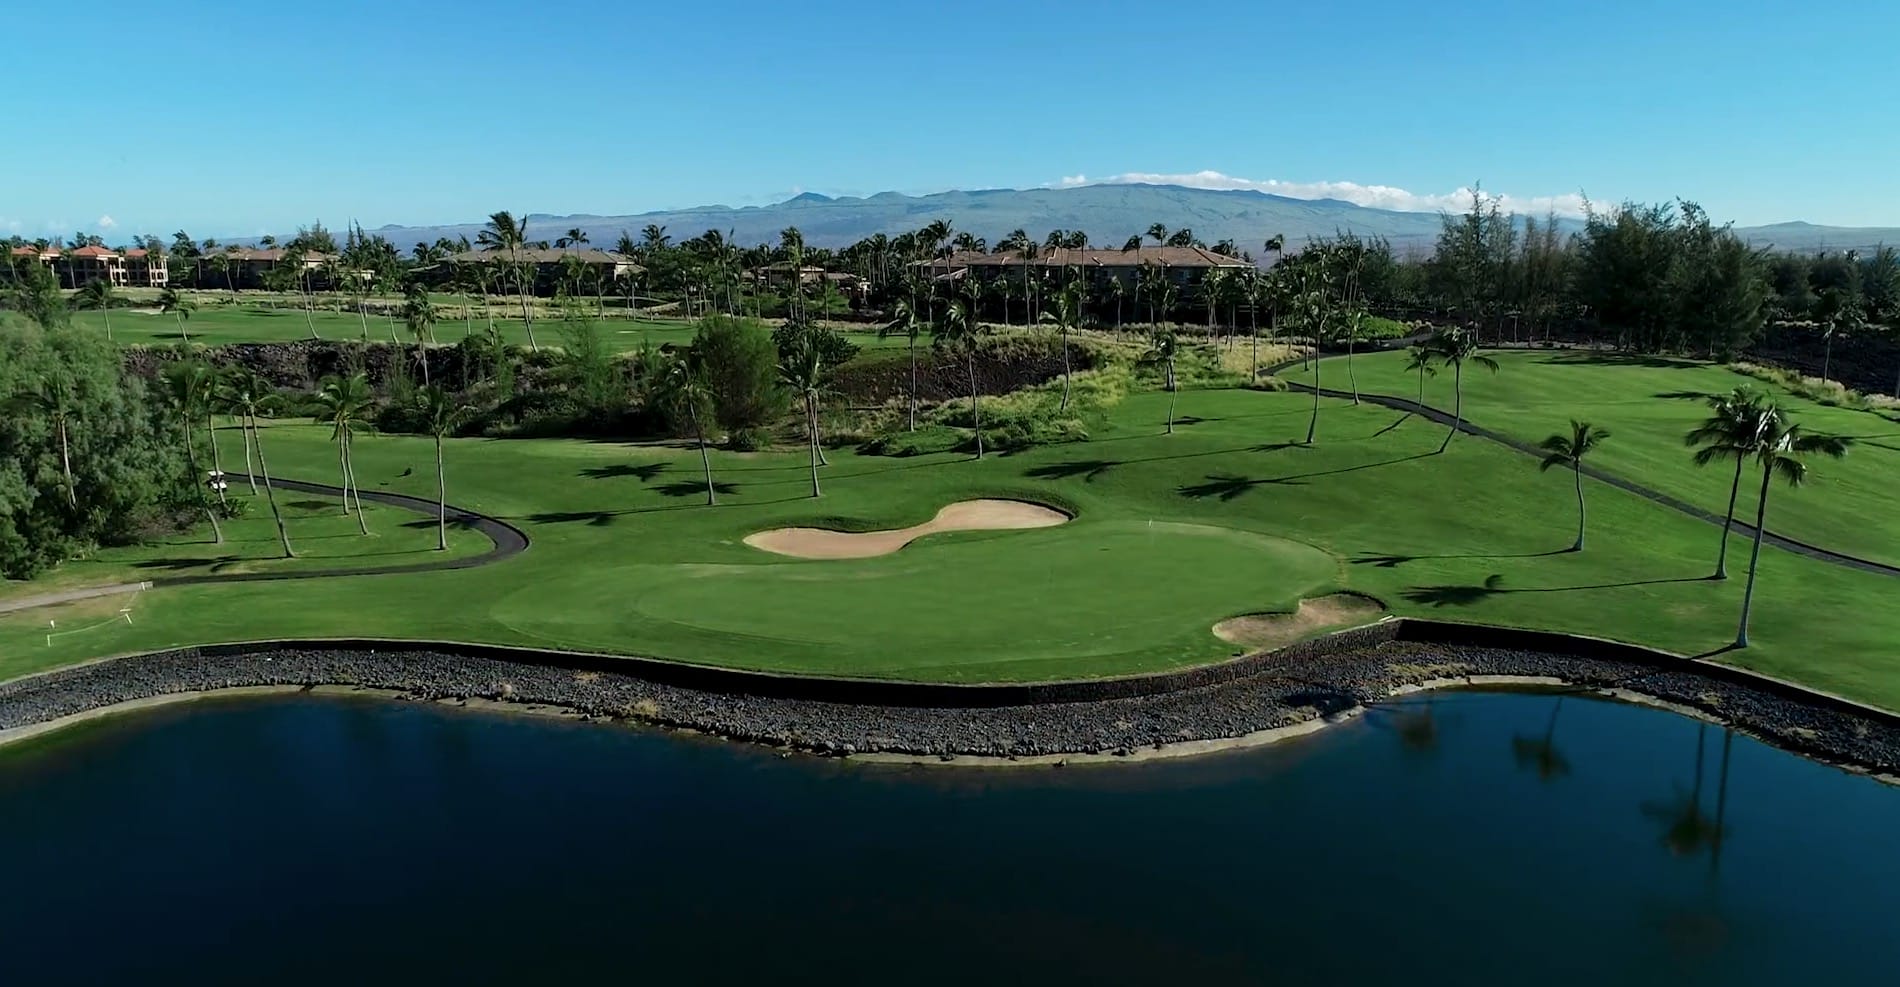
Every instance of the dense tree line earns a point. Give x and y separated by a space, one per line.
87 455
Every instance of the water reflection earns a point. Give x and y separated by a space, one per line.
1539 754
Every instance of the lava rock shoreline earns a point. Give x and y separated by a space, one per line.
1269 692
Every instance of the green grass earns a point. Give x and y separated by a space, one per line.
1850 505
1172 534
212 326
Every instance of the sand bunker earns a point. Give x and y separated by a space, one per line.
1273 630
968 515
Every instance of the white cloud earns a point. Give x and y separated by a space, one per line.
1375 196
106 223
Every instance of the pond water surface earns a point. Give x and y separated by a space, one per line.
1480 837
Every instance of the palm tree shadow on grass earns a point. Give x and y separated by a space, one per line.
1228 486
463 523
645 472
1464 595
694 488
1394 561
1087 469
1683 395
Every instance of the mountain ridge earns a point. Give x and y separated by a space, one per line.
1109 213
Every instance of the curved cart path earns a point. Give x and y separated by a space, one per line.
507 539
1446 419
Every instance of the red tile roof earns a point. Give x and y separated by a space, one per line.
95 251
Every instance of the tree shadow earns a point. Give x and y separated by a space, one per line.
185 563
1650 361
1402 420
1465 595
644 472
1394 561
461 523
1683 395
694 488
1087 469
596 518
313 505
1224 486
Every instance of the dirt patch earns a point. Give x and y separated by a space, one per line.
967 515
1273 630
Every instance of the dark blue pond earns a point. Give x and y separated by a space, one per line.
1477 838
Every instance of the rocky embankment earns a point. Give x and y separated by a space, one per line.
1277 693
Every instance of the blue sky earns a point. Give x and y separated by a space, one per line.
237 120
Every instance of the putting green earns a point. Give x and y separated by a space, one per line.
975 595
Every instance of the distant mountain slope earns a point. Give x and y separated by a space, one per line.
1108 213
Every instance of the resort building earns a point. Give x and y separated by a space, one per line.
250 267
75 268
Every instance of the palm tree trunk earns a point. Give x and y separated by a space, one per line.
105 309
976 412
343 470
1576 469
1721 804
811 436
217 463
191 457
1728 521
1827 361
1352 375
182 333
912 426
1312 425
527 319
441 500
1457 404
705 462
66 464
1253 335
248 436
1065 364
1754 558
349 485
283 535
1172 392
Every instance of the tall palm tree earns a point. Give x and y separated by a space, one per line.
98 294
188 389
906 322
1569 450
1308 307
1729 433
442 415
1067 318
246 393
803 371
344 404
1159 234
575 237
504 232
1457 347
1779 448
169 300
418 313
1163 345
956 332
683 386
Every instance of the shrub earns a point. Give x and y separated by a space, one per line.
741 365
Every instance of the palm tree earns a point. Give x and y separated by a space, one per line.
504 232
1162 345
169 300
1779 447
1728 433
98 294
1541 754
344 403
906 322
1422 359
1158 233
418 313
1569 450
188 389
245 393
803 370
442 416
683 386
1067 318
576 237
1458 347
955 331
52 397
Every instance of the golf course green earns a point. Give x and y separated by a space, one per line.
1171 534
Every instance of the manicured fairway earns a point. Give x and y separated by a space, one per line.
215 325
1850 506
626 557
